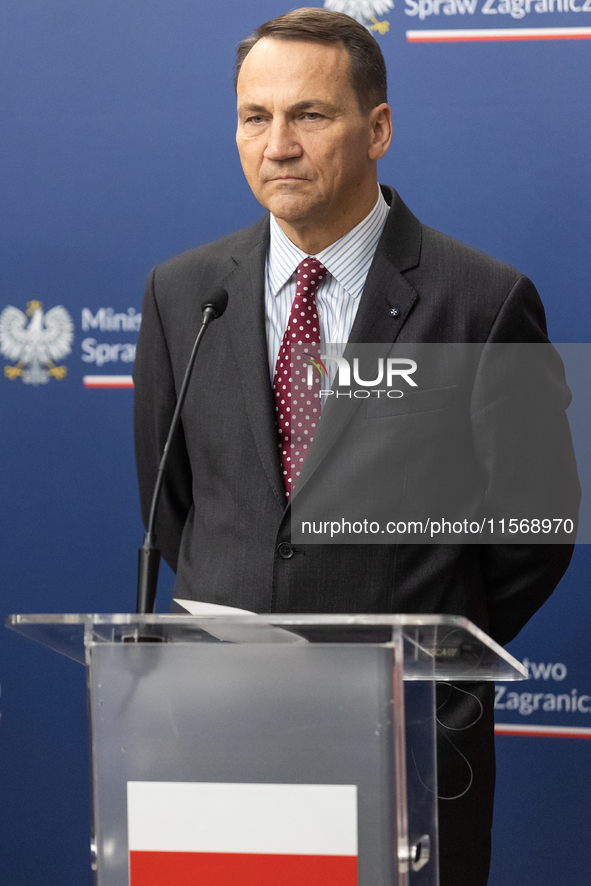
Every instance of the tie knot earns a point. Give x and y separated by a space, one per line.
310 274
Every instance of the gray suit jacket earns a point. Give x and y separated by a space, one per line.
223 518
223 525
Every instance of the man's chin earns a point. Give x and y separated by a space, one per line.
288 207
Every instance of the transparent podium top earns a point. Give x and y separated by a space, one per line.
440 647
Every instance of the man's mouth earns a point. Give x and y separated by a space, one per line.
287 178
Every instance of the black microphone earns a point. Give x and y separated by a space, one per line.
148 554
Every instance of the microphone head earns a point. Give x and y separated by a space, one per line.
217 302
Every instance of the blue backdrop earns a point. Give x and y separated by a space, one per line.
118 151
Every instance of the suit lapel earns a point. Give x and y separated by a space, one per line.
387 295
386 303
246 317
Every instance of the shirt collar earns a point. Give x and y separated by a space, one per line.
347 260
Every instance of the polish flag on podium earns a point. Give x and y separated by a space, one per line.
190 833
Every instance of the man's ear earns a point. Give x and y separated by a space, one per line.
381 131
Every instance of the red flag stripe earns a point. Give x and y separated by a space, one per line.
107 381
529 730
230 869
484 34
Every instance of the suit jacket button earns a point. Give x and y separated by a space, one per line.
285 550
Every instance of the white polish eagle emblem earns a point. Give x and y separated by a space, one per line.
364 11
36 342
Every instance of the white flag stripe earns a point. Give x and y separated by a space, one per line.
496 33
542 731
269 819
107 381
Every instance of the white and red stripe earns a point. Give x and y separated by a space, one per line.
530 730
263 834
471 35
107 381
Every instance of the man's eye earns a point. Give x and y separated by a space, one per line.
313 115
255 119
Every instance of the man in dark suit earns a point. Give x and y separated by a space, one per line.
312 123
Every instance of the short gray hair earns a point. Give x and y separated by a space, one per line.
367 67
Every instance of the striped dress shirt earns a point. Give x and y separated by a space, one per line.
347 262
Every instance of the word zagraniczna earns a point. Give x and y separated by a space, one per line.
517 9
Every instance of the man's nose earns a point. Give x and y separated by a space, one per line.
282 143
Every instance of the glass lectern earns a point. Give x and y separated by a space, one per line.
279 749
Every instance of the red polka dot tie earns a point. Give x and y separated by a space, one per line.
297 380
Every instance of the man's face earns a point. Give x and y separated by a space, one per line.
306 149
